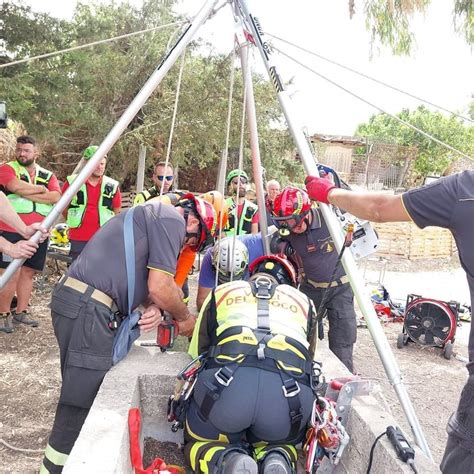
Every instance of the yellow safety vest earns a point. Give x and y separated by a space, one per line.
236 306
245 221
23 205
78 205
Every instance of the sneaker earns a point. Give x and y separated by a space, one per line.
276 463
239 463
23 318
5 323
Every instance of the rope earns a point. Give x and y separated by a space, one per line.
88 45
370 78
241 162
398 119
173 120
21 450
225 156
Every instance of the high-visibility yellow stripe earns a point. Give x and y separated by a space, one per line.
57 458
43 470
192 454
208 456
221 439
160 270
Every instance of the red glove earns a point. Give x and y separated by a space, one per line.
318 188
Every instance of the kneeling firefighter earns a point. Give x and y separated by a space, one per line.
253 396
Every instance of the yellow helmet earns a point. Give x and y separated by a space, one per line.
59 235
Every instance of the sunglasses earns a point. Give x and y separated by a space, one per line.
168 178
236 181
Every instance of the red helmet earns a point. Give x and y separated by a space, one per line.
207 218
291 203
277 266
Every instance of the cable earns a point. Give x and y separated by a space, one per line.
88 45
371 456
225 156
370 78
427 135
173 120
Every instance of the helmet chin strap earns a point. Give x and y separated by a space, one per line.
189 235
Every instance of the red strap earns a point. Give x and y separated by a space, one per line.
158 465
134 422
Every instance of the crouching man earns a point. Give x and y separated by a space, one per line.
253 399
91 301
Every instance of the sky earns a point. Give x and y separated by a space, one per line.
440 68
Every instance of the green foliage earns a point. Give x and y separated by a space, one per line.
464 18
432 158
72 100
388 21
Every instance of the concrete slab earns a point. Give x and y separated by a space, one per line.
146 378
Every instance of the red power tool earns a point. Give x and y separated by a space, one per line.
166 333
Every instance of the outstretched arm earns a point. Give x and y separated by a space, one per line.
375 207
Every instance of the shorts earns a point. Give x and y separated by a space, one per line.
77 246
36 262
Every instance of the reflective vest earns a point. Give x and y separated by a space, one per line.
23 205
245 222
236 306
78 205
255 324
144 196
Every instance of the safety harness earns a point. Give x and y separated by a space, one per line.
261 354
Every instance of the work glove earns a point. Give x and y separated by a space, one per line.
318 188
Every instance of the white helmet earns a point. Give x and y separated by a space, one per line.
229 259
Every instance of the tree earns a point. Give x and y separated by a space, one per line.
388 21
432 158
72 100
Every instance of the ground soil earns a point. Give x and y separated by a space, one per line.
29 386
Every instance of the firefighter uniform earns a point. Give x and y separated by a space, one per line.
317 254
88 305
256 384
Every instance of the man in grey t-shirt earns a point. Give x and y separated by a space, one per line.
447 203
91 301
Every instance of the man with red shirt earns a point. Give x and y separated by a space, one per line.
96 202
32 191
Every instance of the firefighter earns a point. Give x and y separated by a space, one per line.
252 400
447 203
187 256
243 214
96 202
227 259
308 235
90 302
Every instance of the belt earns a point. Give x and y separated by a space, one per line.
325 284
82 287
